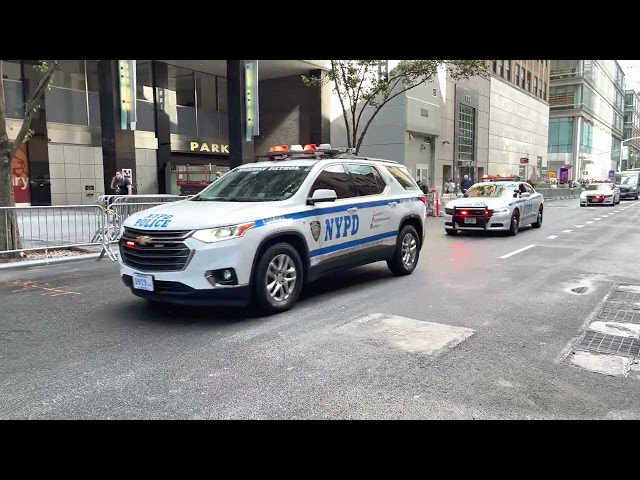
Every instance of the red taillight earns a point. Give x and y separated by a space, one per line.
464 212
309 147
423 199
488 213
129 243
279 148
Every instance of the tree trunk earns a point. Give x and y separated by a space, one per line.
9 233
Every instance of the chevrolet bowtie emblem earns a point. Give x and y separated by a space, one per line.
144 240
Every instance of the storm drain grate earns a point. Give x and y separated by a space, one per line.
620 315
628 297
612 344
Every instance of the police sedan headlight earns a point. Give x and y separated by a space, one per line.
500 210
211 235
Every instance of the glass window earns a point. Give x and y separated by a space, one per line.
223 108
507 69
528 81
66 100
629 99
495 66
335 178
12 83
500 67
544 90
181 101
535 86
93 87
256 184
489 190
402 175
524 73
516 78
207 100
367 179
145 114
466 132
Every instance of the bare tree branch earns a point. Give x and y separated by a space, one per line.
32 107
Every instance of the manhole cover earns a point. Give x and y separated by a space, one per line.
611 344
580 289
615 314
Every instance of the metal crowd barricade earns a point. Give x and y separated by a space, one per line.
55 227
107 200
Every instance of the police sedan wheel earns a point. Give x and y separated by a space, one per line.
515 224
278 278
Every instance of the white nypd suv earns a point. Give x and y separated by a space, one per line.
266 228
496 203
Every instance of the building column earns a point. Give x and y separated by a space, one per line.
240 150
118 146
320 110
38 145
163 122
577 139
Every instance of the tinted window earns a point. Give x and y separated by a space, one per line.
256 184
529 188
334 178
403 177
599 186
367 179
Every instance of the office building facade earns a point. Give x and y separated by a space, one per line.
444 129
586 101
631 131
169 124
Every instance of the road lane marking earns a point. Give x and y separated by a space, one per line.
617 211
551 237
589 221
515 252
579 226
598 218
567 231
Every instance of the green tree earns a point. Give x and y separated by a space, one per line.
9 232
360 89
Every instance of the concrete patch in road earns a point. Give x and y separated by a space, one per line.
616 328
611 365
413 336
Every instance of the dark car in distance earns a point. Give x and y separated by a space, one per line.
627 182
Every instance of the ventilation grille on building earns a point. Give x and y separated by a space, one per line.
424 112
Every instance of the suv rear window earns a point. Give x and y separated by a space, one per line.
402 175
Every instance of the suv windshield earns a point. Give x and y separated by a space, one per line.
267 183
631 180
493 190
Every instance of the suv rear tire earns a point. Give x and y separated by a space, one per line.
407 253
278 278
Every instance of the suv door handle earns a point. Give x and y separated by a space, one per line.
352 209
393 204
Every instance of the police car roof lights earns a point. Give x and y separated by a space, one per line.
311 150
498 178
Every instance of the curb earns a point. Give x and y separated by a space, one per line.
49 261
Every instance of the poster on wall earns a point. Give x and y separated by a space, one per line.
20 176
128 173
564 175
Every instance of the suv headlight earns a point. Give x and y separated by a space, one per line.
211 235
500 210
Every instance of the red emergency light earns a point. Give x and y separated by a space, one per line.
279 148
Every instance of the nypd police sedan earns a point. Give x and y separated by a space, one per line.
495 205
264 229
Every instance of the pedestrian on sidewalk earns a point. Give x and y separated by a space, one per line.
465 184
450 187
121 185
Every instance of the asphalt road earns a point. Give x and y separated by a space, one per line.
74 343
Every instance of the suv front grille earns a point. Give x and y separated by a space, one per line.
159 251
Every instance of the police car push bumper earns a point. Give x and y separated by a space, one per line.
477 218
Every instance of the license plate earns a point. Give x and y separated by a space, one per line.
469 220
143 282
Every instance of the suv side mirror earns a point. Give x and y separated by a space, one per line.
323 195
